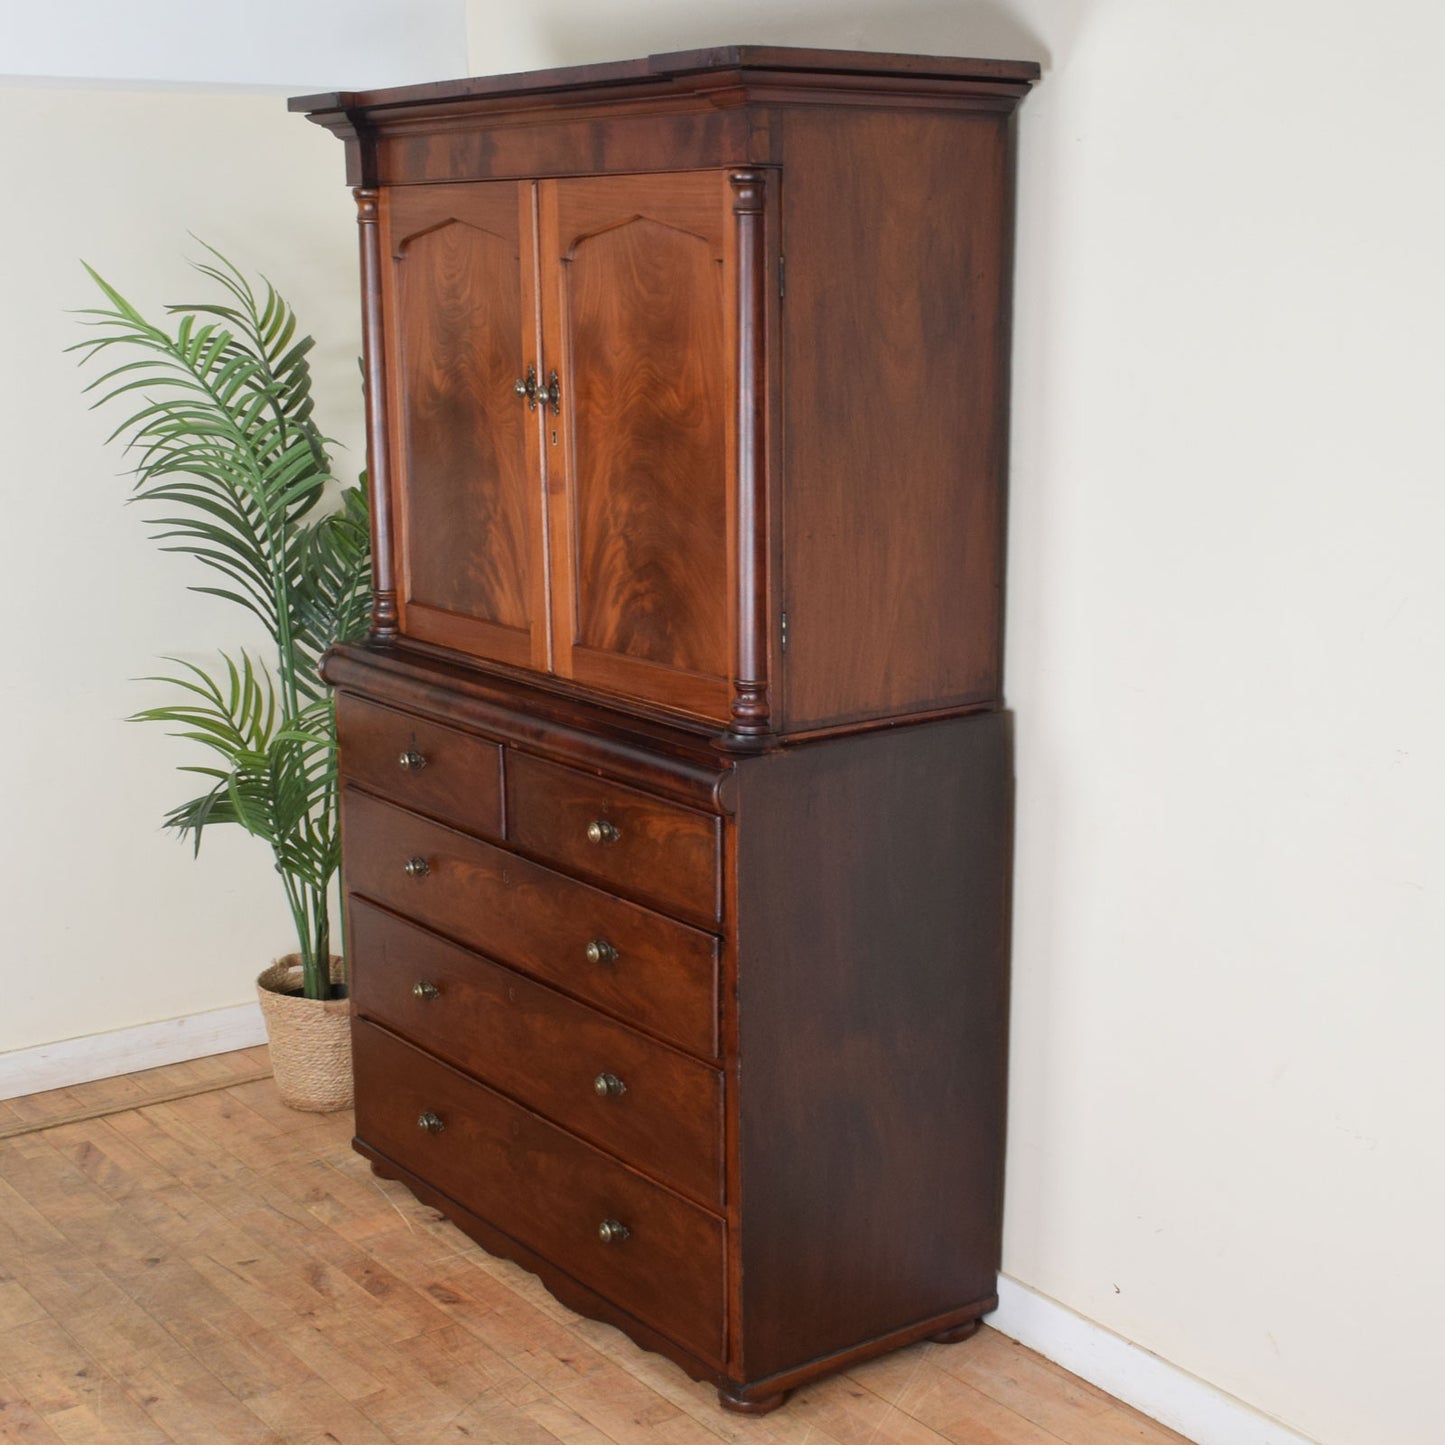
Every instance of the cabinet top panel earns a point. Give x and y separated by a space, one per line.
800 66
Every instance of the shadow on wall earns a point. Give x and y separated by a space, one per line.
572 36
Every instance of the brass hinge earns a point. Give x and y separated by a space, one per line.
785 632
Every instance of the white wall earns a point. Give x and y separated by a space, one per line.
296 45
1225 619
1226 611
1226 607
109 923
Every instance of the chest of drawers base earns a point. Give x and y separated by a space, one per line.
729 1075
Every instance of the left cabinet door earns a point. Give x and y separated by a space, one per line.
459 293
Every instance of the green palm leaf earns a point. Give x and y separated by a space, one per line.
217 422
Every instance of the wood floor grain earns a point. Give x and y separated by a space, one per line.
211 1267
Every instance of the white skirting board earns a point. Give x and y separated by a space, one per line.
1196 1409
126 1051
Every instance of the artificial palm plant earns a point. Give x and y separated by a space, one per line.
218 419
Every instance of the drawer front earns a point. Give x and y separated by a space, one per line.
662 1114
423 765
646 969
639 845
545 1188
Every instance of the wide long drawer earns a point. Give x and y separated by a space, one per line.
648 970
657 1256
654 1107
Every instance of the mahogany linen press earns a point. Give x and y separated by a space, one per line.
677 793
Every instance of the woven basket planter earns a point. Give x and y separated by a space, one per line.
310 1039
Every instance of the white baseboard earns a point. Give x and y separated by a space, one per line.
1196 1409
126 1051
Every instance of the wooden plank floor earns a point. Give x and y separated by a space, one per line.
208 1267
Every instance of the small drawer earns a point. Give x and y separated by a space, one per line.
648 970
654 1107
658 852
423 765
659 1257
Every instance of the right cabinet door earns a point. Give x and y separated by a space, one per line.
636 276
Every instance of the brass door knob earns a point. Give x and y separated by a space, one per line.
424 989
601 831
609 1086
429 1123
600 951
411 761
416 867
610 1231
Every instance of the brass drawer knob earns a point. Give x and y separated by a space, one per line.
425 990
610 1231
411 761
609 1086
416 867
600 951
601 831
429 1123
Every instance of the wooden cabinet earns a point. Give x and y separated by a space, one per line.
676 790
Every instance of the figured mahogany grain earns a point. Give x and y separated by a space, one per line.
663 980
663 855
542 1048
545 1188
465 480
458 778
633 303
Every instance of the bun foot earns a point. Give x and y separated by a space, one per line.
762 1405
957 1334
381 1172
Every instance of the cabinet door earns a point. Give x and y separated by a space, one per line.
468 499
636 276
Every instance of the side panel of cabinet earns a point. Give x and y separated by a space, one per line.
871 1032
637 279
895 363
460 297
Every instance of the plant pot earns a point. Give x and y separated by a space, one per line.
310 1039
